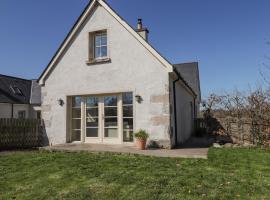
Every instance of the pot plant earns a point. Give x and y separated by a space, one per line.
141 138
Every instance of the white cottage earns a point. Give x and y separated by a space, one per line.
19 98
106 81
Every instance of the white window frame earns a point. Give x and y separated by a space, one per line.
76 118
107 117
101 123
102 33
91 107
128 129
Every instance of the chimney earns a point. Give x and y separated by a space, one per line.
143 32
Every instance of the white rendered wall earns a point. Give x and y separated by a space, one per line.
132 68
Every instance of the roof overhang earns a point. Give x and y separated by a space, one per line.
176 75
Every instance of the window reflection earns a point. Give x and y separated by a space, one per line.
127 98
76 101
110 101
92 101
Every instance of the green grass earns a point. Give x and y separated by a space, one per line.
227 174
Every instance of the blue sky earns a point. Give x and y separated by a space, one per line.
227 38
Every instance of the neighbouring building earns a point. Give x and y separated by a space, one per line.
19 98
106 81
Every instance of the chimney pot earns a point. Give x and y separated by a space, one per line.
142 31
139 24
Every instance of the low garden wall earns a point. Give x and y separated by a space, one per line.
240 131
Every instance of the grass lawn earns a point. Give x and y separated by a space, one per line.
227 174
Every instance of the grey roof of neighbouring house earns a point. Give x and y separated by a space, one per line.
18 91
190 73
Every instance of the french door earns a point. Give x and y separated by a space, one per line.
104 119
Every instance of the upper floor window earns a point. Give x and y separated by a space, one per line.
101 45
98 46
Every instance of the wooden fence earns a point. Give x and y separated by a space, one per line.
20 133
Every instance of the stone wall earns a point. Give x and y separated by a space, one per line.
240 131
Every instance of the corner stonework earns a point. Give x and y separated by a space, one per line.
160 118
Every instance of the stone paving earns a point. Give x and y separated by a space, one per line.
175 153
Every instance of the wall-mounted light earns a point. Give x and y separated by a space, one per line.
138 98
60 102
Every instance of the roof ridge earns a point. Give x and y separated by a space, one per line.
14 77
192 62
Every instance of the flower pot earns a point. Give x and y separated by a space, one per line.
140 143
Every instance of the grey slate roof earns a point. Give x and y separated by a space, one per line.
190 73
17 90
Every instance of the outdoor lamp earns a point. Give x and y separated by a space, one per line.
60 102
138 98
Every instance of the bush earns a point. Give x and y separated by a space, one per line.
141 134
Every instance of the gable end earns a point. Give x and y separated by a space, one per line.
76 27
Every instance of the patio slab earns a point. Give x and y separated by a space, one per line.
175 153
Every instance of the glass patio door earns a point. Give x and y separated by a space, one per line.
102 118
111 119
92 119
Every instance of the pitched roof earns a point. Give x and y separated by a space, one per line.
190 73
80 21
14 90
17 90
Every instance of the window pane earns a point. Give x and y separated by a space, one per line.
76 124
111 122
97 40
103 51
111 132
76 135
110 111
76 112
128 123
91 132
91 122
92 112
128 135
104 40
110 101
127 98
97 52
76 101
127 111
92 101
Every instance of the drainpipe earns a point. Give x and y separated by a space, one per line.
174 106
194 108
12 110
194 115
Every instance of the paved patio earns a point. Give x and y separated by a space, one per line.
175 153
